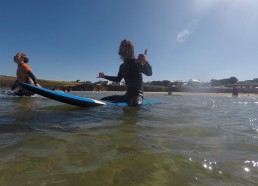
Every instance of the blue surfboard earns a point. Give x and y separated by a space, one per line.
145 102
62 97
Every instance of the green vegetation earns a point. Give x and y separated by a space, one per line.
232 80
6 82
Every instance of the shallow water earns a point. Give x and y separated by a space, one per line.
185 140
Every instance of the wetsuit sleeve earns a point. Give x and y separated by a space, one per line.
15 85
32 77
145 69
117 78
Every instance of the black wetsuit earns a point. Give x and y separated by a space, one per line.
131 71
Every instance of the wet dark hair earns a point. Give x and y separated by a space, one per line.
129 47
23 56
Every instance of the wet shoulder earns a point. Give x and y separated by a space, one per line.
26 66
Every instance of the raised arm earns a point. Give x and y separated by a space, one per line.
147 69
144 65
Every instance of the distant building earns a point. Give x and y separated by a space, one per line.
118 83
177 83
194 81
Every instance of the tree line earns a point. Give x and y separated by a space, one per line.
213 82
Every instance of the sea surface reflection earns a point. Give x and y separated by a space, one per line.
185 140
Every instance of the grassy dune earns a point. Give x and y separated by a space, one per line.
6 82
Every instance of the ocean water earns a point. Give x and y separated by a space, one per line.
185 140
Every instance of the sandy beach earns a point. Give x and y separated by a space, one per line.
183 93
203 94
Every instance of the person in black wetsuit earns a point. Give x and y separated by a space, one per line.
131 70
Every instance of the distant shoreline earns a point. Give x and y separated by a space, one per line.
213 94
8 81
181 93
203 94
173 93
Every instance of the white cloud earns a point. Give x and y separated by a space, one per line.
182 36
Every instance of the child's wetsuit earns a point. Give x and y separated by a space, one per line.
24 74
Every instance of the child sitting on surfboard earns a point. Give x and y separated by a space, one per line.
131 70
24 74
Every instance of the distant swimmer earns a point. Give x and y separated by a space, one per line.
24 74
235 92
169 90
131 70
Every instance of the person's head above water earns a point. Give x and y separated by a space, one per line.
126 50
21 58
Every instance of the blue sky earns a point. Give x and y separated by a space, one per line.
186 39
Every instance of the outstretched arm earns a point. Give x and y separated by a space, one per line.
117 78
